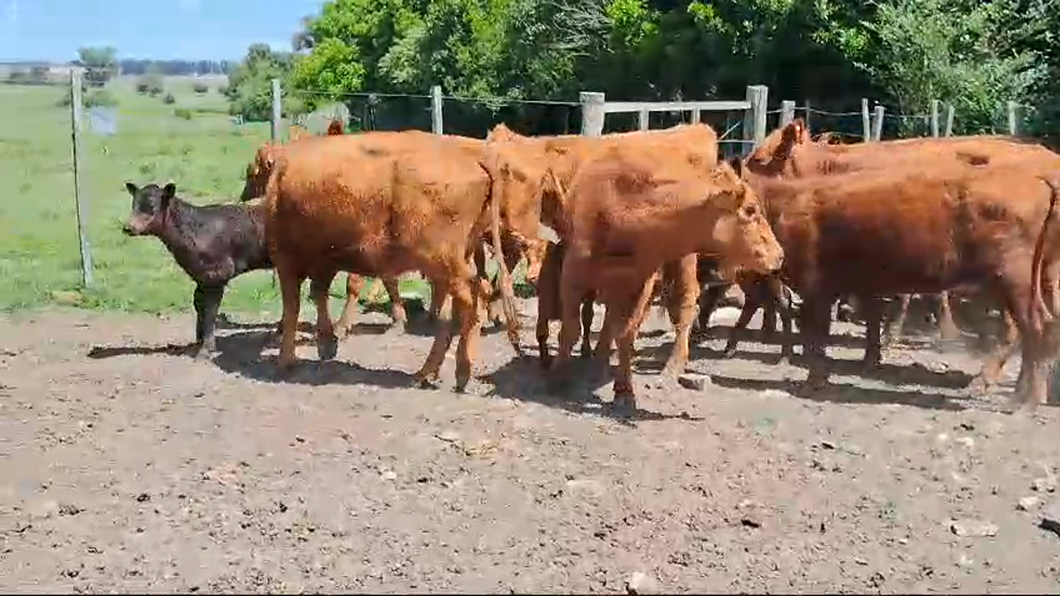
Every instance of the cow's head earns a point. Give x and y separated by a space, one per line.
336 127
741 238
259 170
149 207
773 154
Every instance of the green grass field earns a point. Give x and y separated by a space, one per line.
205 156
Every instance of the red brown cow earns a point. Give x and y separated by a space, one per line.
626 213
916 232
384 214
787 153
528 201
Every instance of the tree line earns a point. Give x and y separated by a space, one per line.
974 54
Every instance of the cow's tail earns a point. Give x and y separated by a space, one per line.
507 291
1038 308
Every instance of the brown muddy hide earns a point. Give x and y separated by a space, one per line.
149 205
258 171
742 232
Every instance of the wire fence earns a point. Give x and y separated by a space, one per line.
187 135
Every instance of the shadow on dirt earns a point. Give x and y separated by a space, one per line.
845 394
524 379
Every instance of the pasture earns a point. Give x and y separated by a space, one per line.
206 156
131 467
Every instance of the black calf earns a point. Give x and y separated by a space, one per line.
212 244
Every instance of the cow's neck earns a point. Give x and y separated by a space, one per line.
177 232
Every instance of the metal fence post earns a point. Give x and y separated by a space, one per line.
277 110
949 119
436 109
592 113
76 109
877 125
787 111
866 121
1013 126
754 121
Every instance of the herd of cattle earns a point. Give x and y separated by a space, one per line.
624 219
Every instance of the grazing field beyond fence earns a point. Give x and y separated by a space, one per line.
184 134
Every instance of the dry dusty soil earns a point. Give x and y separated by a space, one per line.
127 466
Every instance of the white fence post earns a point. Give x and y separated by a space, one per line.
935 118
1013 126
277 111
592 113
76 109
787 112
949 119
866 121
877 124
754 123
436 109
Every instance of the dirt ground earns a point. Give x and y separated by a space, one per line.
128 466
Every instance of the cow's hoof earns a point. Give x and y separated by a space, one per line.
978 387
342 331
396 329
728 352
624 405
425 381
817 382
327 348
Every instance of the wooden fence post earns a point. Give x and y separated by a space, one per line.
787 112
877 131
866 121
76 108
935 118
277 111
1013 127
754 122
592 112
806 120
949 119
436 109
643 119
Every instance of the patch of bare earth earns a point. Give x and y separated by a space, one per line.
127 466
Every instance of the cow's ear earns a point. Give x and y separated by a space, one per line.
168 192
129 186
737 165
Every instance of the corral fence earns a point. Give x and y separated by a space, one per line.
740 123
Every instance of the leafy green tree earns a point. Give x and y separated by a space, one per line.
249 88
101 64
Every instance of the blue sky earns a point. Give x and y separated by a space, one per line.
192 29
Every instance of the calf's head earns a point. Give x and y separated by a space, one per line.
741 236
149 207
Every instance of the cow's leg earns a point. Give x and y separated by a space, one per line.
327 342
468 295
948 330
587 326
397 305
571 291
199 302
629 313
207 307
441 306
750 307
542 332
344 326
816 320
895 328
995 361
443 338
785 302
1033 383
684 294
291 294
872 310
708 302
